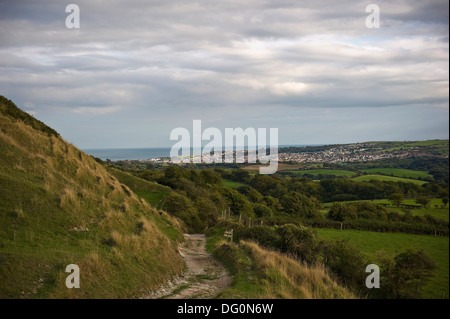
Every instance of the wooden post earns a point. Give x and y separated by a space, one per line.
261 222
229 234
229 212
240 216
341 225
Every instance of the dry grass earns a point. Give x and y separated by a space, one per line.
289 279
51 190
69 200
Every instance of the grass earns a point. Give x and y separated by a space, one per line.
407 173
435 146
440 213
261 273
232 184
435 247
333 172
366 178
152 192
281 167
59 206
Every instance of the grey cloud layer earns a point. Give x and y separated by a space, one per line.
147 59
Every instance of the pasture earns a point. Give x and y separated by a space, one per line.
331 172
437 248
366 178
397 172
232 184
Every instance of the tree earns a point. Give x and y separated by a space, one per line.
273 203
445 201
298 204
181 207
347 261
262 210
237 202
396 199
207 212
254 196
405 275
342 212
240 175
423 201
177 204
300 241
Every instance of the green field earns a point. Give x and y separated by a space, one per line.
366 178
440 213
152 192
434 146
232 184
407 173
334 172
370 242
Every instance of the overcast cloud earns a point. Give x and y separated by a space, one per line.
137 69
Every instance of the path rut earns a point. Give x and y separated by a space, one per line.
204 278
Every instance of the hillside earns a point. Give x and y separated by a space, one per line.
262 273
59 207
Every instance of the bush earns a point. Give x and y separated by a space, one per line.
300 205
300 241
347 262
404 276
264 235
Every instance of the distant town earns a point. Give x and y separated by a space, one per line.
340 153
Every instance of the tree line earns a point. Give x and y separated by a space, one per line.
200 196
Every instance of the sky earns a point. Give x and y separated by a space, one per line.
135 70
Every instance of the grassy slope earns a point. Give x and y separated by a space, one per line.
334 172
371 242
152 192
366 178
232 184
58 206
261 273
431 146
407 173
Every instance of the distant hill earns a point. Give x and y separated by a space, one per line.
59 206
429 147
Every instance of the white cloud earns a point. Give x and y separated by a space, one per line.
96 110
159 59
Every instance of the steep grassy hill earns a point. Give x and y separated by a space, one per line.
58 206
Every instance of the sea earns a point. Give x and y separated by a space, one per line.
118 154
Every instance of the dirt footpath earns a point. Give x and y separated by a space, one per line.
204 277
